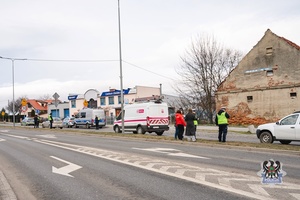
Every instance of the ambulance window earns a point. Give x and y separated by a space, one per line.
83 114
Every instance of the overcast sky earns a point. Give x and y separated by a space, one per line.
155 33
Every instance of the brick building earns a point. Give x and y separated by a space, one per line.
265 85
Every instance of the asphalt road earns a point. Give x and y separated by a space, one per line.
51 164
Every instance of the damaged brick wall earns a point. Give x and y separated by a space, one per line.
239 115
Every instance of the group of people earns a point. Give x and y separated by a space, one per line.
190 122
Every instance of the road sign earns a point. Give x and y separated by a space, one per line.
23 102
55 96
24 108
85 103
37 111
2 113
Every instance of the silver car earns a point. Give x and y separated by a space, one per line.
68 122
57 123
27 121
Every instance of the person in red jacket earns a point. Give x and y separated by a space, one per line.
180 123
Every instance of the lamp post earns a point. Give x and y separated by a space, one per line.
13 82
121 73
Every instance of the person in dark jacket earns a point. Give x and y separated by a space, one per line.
36 121
222 121
190 126
97 122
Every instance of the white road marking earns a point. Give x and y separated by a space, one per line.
198 175
66 169
47 136
170 152
4 131
1 140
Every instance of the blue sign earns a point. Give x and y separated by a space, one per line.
37 111
73 97
115 92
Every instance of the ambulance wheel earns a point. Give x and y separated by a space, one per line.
140 130
117 129
159 132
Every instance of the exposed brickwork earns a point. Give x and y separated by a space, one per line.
238 116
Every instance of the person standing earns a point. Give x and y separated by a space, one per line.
36 121
190 126
97 122
222 121
180 123
195 124
50 118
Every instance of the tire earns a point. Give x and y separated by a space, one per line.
117 129
159 133
140 130
285 141
266 137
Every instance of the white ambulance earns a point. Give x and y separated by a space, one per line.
86 118
144 117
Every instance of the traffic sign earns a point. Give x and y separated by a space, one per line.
55 96
85 103
23 102
24 108
2 113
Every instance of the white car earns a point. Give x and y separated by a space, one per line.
285 130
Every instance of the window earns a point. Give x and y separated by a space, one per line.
102 101
111 100
290 120
269 51
249 98
119 99
73 103
82 115
293 94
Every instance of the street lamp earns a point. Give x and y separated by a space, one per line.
121 74
13 82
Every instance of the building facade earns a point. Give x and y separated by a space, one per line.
264 86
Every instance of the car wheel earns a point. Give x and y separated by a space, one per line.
140 130
87 126
285 141
117 129
266 137
159 132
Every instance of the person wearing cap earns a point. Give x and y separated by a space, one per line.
222 121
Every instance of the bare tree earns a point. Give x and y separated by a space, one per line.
45 97
17 103
204 66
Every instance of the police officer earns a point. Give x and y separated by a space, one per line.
50 118
222 121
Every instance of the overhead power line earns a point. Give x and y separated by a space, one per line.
94 61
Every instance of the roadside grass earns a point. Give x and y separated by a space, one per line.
232 144
153 137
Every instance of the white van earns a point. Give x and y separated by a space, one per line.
86 117
144 117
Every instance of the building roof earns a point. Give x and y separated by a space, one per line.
286 40
36 105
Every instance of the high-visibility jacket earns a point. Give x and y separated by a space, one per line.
195 122
222 119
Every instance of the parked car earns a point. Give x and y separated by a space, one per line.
68 122
27 121
285 130
57 123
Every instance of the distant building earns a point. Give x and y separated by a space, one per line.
265 85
